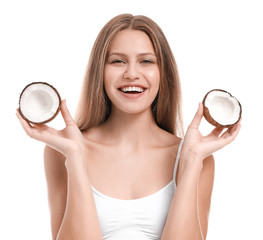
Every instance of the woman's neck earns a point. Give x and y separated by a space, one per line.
130 129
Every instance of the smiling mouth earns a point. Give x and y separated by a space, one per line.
132 90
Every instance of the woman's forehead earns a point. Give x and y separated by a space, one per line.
130 41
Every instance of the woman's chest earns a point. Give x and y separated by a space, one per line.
142 218
130 175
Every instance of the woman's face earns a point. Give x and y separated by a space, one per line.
131 75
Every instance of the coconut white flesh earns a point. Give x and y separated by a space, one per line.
223 108
39 102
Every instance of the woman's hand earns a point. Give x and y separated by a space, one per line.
68 141
202 146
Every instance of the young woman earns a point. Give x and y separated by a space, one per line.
120 170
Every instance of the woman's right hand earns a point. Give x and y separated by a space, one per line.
199 146
68 141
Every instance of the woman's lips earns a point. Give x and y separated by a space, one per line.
132 91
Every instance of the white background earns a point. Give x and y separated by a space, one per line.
217 44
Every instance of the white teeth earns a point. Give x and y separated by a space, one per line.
132 89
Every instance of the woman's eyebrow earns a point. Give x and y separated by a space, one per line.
117 53
147 54
139 55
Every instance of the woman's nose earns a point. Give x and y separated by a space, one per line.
131 71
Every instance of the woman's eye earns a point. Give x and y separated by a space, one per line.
147 61
117 61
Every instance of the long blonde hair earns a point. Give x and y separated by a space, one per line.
94 106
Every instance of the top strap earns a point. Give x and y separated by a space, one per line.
177 159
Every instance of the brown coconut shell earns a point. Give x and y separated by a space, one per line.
48 120
210 119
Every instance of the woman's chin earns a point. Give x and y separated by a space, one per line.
132 110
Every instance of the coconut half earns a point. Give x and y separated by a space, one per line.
221 109
39 102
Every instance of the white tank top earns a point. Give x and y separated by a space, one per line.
136 219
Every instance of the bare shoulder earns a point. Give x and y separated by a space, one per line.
52 153
55 170
54 160
208 166
56 178
205 186
94 136
206 179
167 139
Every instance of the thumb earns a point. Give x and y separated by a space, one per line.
66 114
198 117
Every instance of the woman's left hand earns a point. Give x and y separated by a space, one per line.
203 146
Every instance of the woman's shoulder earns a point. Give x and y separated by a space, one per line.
93 136
54 162
167 139
55 172
50 153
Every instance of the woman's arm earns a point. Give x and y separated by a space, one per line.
183 220
73 211
205 187
56 177
80 221
188 215
191 202
72 207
